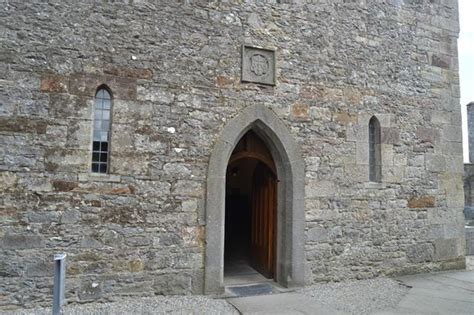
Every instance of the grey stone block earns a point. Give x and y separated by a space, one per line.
172 284
40 269
420 253
317 234
22 241
9 269
70 216
469 240
447 249
90 290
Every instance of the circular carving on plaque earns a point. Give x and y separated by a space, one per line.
259 64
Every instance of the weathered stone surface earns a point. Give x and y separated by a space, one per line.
189 205
470 123
23 125
435 163
7 269
346 118
128 72
441 61
8 181
136 241
422 202
420 253
390 135
136 265
317 234
448 249
90 290
60 185
21 241
470 241
40 269
171 284
52 83
430 135
188 188
300 111
70 216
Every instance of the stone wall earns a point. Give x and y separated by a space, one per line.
469 167
173 68
470 130
469 240
469 191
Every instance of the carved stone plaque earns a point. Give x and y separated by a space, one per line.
258 65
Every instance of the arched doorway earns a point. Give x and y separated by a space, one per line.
250 210
289 261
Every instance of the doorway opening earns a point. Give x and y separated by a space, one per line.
250 213
286 154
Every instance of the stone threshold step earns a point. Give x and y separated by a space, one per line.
253 289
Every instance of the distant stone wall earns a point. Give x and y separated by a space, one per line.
469 167
173 68
470 240
470 130
469 191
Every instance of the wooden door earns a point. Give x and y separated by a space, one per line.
263 221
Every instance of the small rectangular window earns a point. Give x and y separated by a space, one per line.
375 157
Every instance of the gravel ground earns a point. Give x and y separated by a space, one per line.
358 297
155 305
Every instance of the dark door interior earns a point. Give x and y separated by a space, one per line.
250 218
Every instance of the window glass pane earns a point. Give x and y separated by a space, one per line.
100 93
106 114
96 146
97 114
104 136
98 103
97 124
95 167
103 157
104 146
106 94
103 168
95 157
96 135
105 125
106 104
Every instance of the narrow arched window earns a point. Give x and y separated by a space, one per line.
375 164
101 131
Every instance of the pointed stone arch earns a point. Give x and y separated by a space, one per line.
290 261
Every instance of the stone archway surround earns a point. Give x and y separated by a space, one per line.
290 261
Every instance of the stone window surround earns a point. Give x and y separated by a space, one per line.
290 265
361 138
